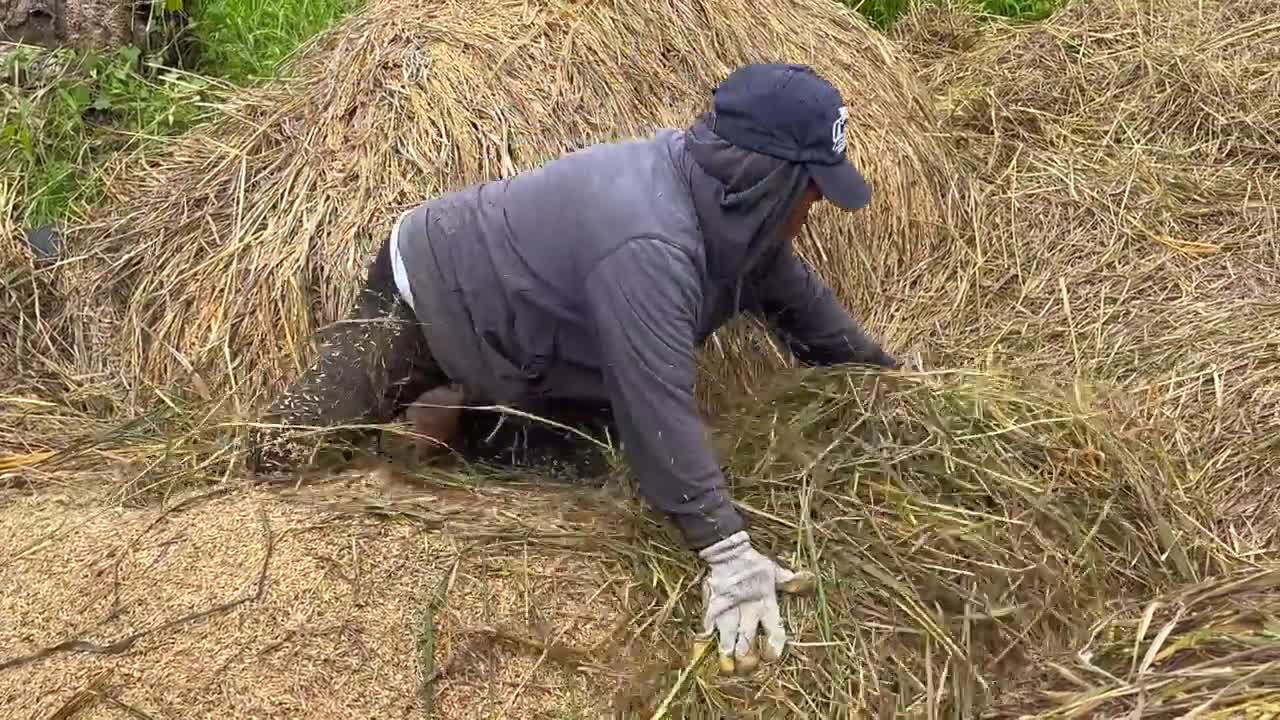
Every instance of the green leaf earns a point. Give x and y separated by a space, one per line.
65 96
173 5
24 138
77 97
92 64
102 102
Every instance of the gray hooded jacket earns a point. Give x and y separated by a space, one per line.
597 275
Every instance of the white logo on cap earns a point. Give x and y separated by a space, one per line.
839 131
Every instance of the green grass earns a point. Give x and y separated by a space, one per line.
63 113
245 40
883 13
1022 9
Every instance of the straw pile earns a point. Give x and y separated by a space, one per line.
15 284
964 524
213 266
42 344
1126 163
15 281
37 346
24 333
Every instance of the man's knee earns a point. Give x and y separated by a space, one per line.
435 415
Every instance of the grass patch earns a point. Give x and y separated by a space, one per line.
883 13
1025 10
245 40
62 113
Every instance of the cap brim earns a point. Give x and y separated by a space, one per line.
842 184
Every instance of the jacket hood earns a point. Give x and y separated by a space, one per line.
742 199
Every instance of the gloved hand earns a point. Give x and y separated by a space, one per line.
740 595
914 362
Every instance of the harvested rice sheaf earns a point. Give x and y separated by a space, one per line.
1125 159
1208 650
961 522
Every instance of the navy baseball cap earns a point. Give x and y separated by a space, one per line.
790 112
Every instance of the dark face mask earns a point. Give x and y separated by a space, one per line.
749 205
799 216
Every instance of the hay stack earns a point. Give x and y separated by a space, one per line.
1127 166
31 356
44 401
220 257
14 264
1127 160
963 525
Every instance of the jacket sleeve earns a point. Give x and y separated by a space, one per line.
809 321
644 300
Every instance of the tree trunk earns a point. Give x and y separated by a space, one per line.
102 25
88 24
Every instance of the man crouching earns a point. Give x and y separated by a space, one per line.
596 277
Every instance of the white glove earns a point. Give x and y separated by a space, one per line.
740 595
914 362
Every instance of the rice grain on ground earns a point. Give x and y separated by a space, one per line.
337 630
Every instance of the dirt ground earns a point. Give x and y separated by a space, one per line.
248 603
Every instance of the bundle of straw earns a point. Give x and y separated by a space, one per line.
1206 650
961 523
